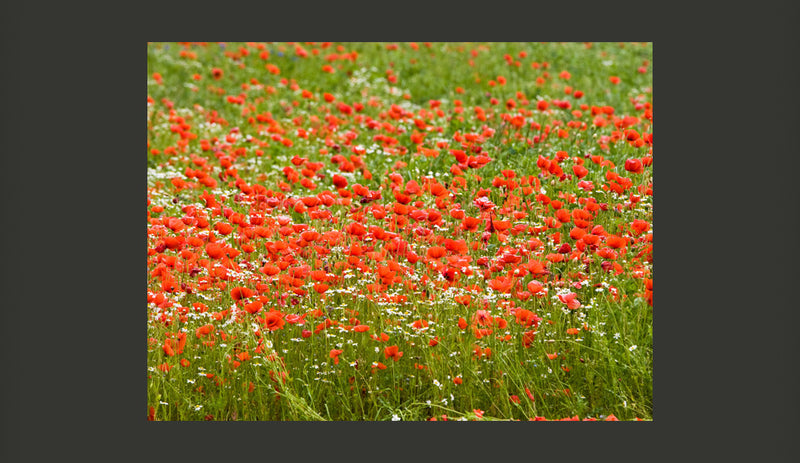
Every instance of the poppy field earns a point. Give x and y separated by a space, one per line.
399 231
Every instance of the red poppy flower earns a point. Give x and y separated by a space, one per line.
240 293
639 226
528 337
482 318
295 319
535 286
319 275
356 229
339 181
165 367
471 223
436 252
320 287
223 228
634 166
419 324
501 225
591 239
484 203
167 347
577 233
526 317
273 320
203 331
570 299
616 242
392 351
215 250
580 171
270 269
253 307
502 284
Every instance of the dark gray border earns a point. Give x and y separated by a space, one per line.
725 253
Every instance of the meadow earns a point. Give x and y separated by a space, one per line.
399 231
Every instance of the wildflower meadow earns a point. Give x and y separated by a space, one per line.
399 231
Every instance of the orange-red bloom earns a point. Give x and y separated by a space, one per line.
616 242
320 287
392 351
570 299
436 252
167 347
240 292
253 307
215 250
526 317
273 320
502 284
223 228
528 337
639 226
634 166
334 354
482 318
535 286
470 223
